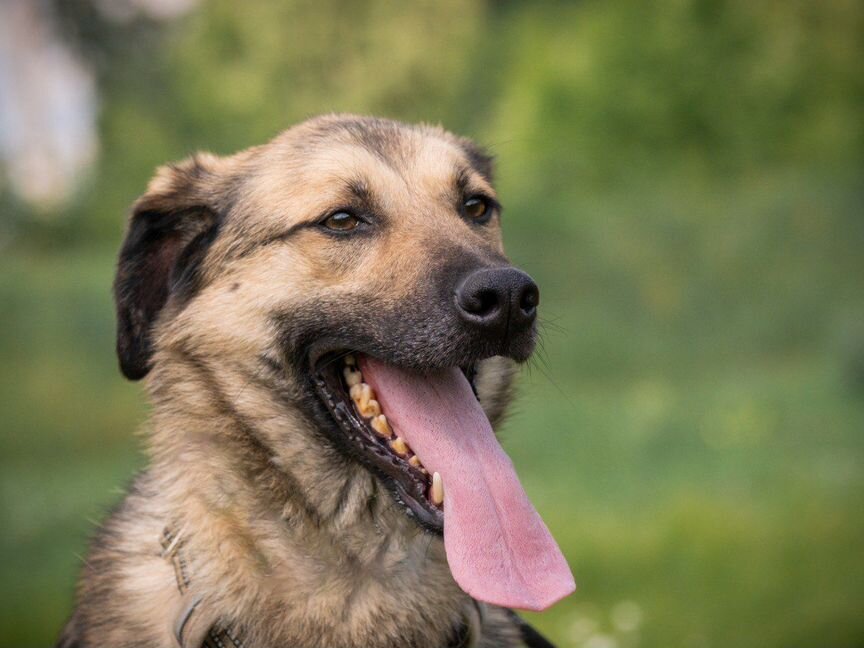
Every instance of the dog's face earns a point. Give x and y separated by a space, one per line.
342 239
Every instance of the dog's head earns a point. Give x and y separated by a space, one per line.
348 250
343 235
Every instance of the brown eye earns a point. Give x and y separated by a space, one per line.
341 222
477 209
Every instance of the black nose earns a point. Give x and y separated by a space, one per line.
502 300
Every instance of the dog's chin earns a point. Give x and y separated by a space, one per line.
355 431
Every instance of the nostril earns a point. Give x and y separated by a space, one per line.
529 299
480 302
483 302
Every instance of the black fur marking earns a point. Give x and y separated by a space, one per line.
272 364
462 180
360 189
186 276
461 636
161 256
248 248
342 499
381 137
422 331
481 160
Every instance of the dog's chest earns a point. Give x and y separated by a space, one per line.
399 595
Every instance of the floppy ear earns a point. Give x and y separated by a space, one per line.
170 229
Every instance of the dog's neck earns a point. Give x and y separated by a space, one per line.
302 531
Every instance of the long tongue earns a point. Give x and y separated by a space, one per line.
498 548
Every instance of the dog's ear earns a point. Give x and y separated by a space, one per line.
169 231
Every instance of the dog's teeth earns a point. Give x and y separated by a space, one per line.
364 399
437 491
415 461
366 394
381 426
350 360
373 408
399 446
361 394
352 376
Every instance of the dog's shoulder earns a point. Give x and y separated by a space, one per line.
110 610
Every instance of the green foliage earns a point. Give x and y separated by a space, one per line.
682 177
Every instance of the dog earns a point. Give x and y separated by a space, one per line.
328 329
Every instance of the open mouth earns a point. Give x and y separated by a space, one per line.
425 432
354 405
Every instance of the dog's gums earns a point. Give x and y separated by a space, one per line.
356 409
368 407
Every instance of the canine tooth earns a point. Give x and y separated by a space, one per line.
373 408
350 360
352 376
399 446
381 426
437 491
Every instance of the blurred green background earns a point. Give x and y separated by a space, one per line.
682 177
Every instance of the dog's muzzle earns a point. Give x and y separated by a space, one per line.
501 301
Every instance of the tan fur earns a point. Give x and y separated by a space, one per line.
284 540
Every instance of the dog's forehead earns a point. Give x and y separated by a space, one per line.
393 143
313 163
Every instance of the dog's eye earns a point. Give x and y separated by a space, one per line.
478 209
341 222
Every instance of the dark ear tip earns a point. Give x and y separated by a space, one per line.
134 372
134 361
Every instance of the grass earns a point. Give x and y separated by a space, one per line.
715 510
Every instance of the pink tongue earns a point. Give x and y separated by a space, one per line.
498 548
